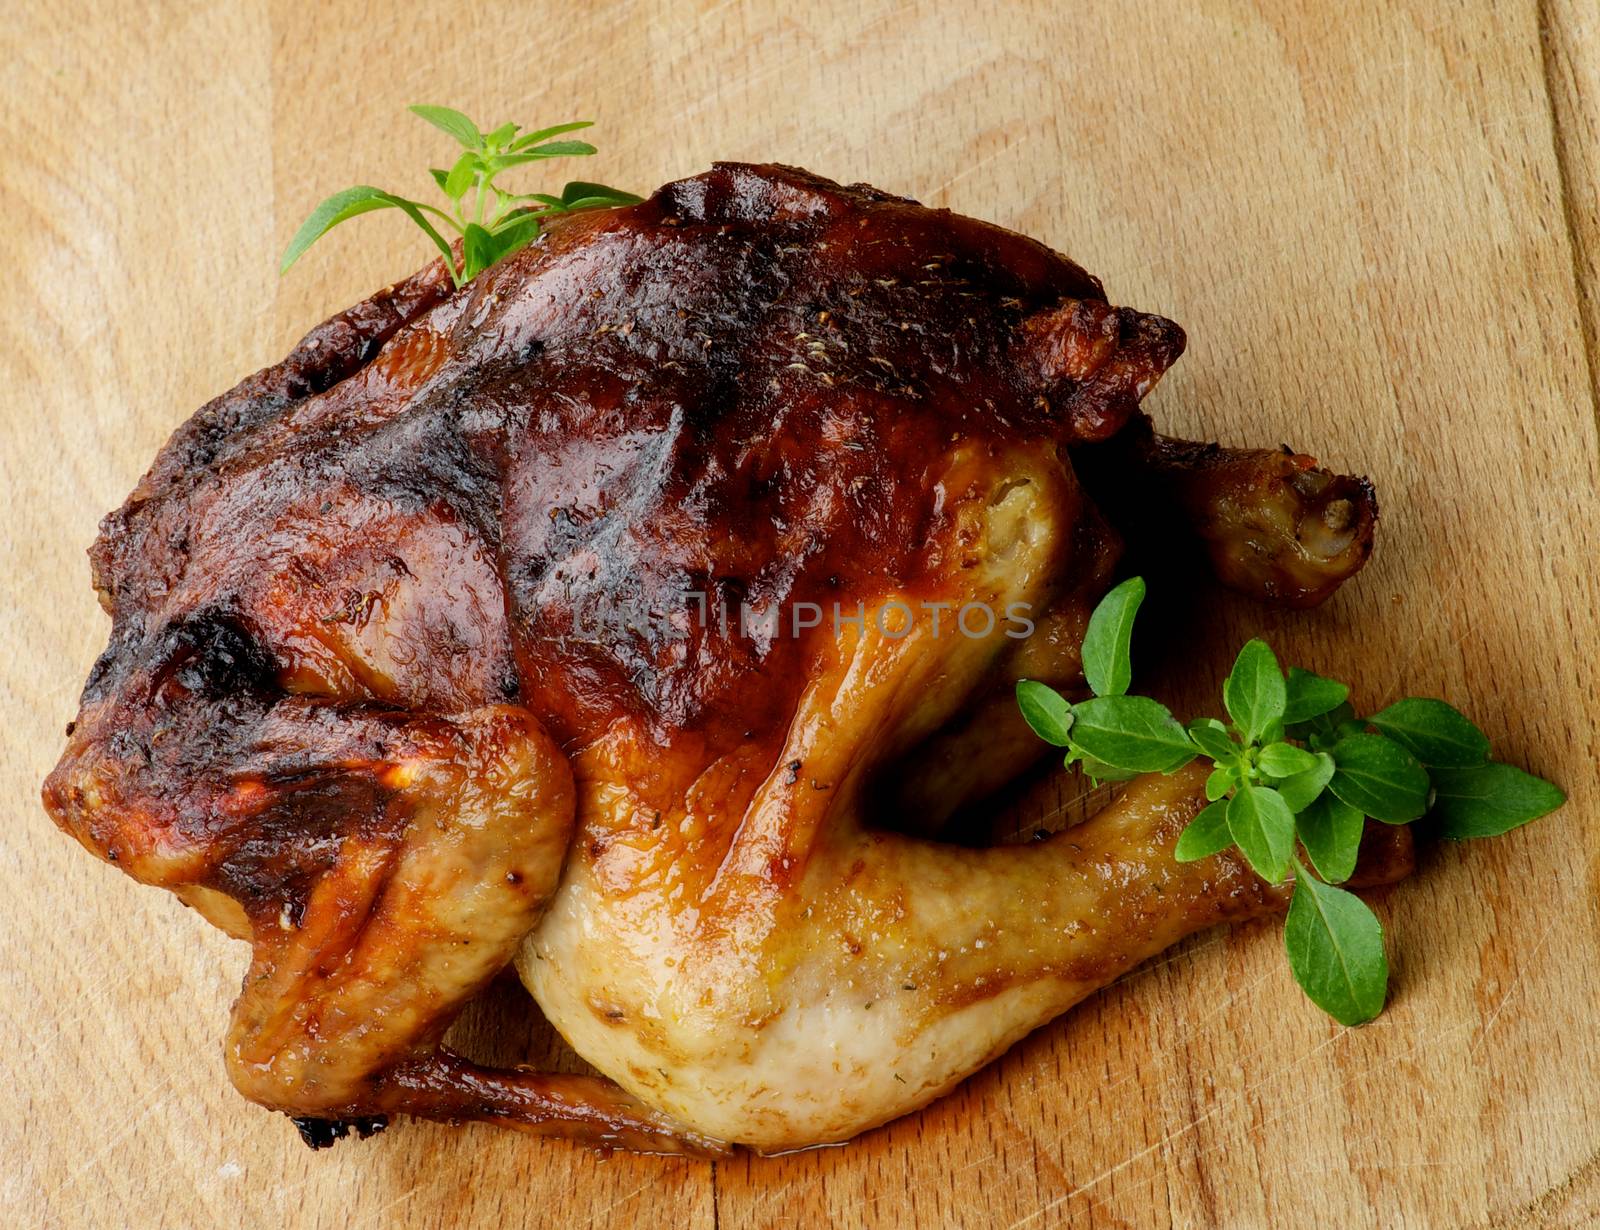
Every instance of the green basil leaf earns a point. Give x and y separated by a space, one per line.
596 202
1320 733
1131 732
1282 760
348 204
503 240
1330 830
1379 778
515 233
1106 663
1335 947
1302 789
462 175
439 177
1263 828
552 149
1205 835
1212 738
1435 733
1487 800
1046 711
544 134
1254 691
581 194
478 251
498 138
338 207
1310 696
556 149
1223 779
449 120
1098 771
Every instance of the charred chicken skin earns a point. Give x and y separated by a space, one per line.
368 702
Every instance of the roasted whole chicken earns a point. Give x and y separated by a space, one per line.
640 614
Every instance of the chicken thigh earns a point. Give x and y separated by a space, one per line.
637 613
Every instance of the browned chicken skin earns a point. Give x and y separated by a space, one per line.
444 640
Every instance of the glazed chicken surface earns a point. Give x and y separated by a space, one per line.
606 616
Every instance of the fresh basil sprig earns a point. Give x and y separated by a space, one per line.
491 222
1293 769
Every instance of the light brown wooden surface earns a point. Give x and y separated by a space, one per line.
1379 224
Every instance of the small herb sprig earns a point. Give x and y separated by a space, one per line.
1294 769
491 222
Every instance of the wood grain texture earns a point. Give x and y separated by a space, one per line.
1378 222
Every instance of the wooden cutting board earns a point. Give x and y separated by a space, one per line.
1379 224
